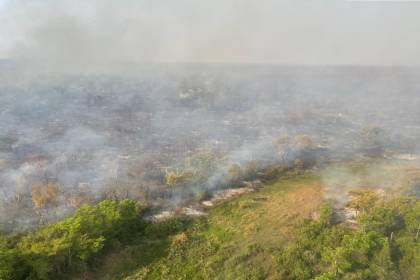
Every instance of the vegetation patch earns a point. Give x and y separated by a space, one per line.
286 230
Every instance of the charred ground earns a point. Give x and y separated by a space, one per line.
175 134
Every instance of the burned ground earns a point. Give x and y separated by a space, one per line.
119 136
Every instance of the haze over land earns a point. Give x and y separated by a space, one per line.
101 133
98 96
225 139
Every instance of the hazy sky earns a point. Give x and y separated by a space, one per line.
87 32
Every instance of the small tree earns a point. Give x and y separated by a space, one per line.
44 195
173 178
363 200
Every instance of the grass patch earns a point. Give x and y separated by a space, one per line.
237 239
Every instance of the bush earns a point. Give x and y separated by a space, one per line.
385 245
70 245
11 264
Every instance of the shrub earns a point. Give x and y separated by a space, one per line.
384 247
69 245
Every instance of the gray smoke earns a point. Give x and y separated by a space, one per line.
105 98
116 136
103 35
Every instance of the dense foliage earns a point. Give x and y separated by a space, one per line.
71 244
384 245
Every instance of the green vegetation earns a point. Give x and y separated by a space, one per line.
384 246
239 239
71 244
284 231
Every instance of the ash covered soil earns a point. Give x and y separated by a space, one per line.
175 136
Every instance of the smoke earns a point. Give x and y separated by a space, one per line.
116 135
390 178
106 36
104 98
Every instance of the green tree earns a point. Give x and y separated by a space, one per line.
71 243
382 218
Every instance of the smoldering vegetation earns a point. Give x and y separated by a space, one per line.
172 135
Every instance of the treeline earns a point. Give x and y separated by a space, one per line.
385 244
73 244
